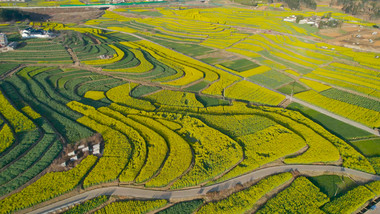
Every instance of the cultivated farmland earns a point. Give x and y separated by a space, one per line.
226 105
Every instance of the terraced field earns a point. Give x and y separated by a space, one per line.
166 119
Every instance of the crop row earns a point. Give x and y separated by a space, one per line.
117 147
319 149
88 205
214 151
175 60
143 66
48 186
156 145
116 57
351 157
34 170
301 197
245 90
243 201
17 120
264 147
365 116
243 52
178 159
132 206
352 86
6 137
350 78
352 99
237 125
25 162
120 94
50 103
174 98
350 201
315 85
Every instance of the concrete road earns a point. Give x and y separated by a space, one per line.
199 192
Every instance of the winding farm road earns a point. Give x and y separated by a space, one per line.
200 192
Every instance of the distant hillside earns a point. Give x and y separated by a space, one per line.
296 4
357 7
293 4
354 7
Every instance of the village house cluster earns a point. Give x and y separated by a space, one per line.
315 21
81 151
5 45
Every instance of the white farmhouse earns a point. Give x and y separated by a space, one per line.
291 18
33 33
96 149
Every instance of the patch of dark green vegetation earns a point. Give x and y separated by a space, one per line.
211 60
296 4
183 207
197 87
368 148
142 90
294 87
352 99
341 129
272 79
7 15
5 67
333 185
188 49
211 101
240 65
87 205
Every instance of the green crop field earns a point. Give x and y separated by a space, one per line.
159 98
368 147
342 129
332 185
240 65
